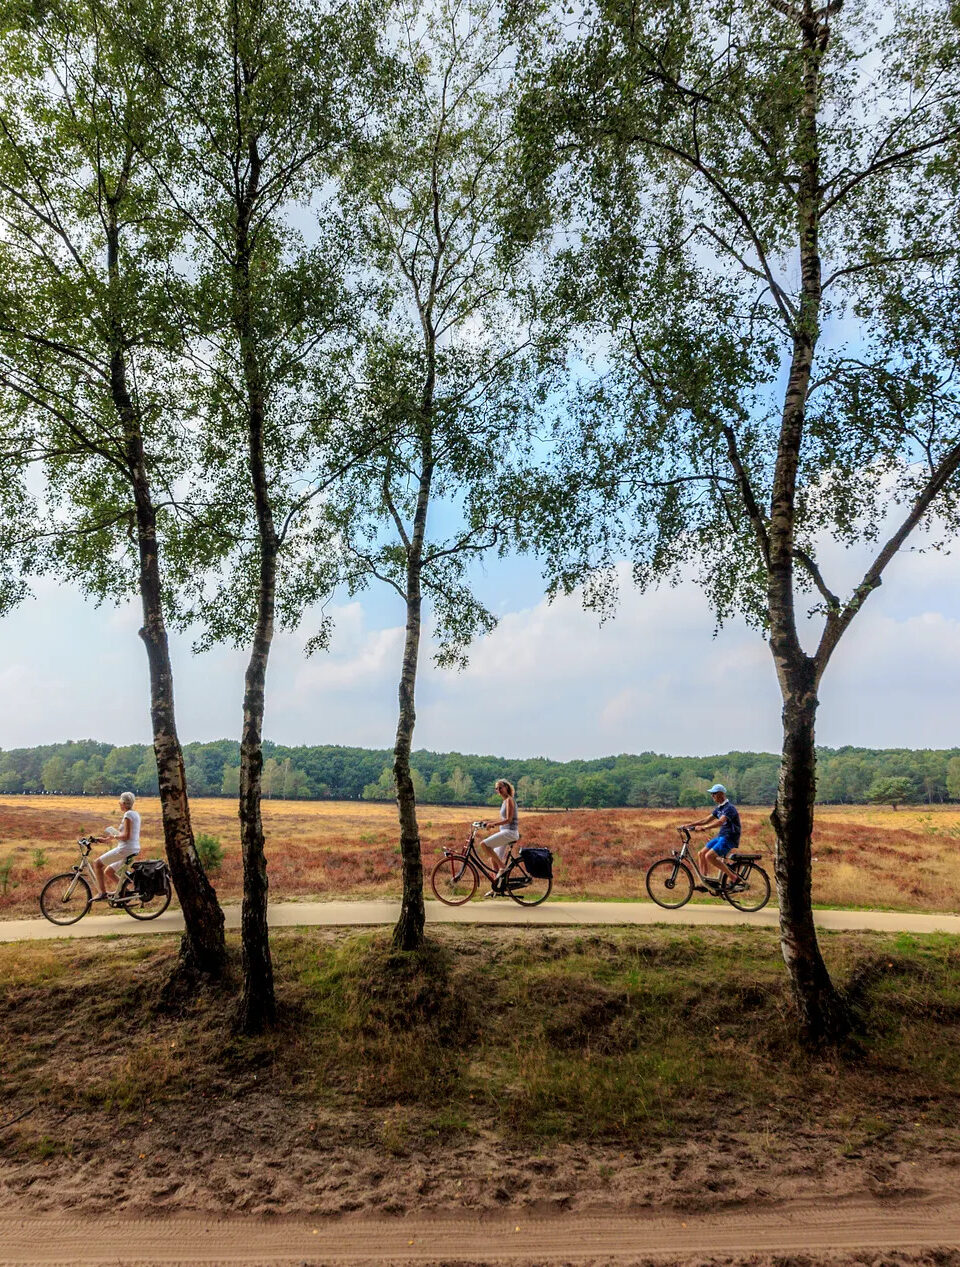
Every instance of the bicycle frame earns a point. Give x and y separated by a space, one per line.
85 868
472 855
685 854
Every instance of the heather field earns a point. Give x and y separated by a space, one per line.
897 860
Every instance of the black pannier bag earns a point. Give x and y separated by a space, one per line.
150 878
538 862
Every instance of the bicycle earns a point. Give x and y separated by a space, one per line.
671 885
66 898
455 878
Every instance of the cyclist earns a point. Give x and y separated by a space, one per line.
715 851
127 846
498 845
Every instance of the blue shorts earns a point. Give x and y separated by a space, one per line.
721 845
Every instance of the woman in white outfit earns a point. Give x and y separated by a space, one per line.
498 845
128 844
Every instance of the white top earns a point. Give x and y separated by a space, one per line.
133 818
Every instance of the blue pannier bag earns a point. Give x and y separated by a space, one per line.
538 863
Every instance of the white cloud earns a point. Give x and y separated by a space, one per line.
549 680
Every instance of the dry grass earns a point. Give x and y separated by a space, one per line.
881 858
495 1066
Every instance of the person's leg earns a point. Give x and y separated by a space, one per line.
708 862
98 870
103 869
488 848
720 861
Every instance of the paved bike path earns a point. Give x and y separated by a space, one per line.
495 911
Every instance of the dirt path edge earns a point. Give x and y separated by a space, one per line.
807 1227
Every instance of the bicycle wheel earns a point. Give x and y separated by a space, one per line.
526 889
756 895
66 898
670 883
140 908
454 880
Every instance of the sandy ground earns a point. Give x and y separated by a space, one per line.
860 1232
550 914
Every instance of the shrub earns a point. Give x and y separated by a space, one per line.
39 859
6 870
209 850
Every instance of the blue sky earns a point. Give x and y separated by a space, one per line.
549 681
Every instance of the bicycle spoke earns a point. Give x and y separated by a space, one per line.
669 883
454 880
66 898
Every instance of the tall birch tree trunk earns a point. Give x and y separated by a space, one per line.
820 1009
408 933
258 1003
202 947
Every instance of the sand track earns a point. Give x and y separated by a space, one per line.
801 1227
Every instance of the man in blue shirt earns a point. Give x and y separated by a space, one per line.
714 851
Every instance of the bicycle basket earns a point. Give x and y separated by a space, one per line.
538 863
150 878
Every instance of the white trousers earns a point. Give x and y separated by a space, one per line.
117 854
501 841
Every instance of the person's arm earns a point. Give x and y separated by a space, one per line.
702 823
511 810
124 829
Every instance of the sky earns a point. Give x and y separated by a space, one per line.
549 681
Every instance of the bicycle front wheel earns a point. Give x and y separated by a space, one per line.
757 893
454 880
66 898
143 908
670 883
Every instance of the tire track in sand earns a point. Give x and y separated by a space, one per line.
799 1227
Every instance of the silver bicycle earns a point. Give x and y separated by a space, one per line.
142 894
671 883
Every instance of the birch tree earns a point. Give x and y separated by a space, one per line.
87 355
260 112
453 369
769 250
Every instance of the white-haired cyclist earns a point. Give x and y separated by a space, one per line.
127 846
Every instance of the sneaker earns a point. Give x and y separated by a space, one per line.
741 886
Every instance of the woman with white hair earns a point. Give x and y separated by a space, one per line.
127 846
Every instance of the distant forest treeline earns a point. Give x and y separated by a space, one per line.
846 775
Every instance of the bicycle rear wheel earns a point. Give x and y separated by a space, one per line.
670 883
454 880
757 893
66 898
526 889
143 908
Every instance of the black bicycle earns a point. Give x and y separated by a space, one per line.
671 883
456 876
